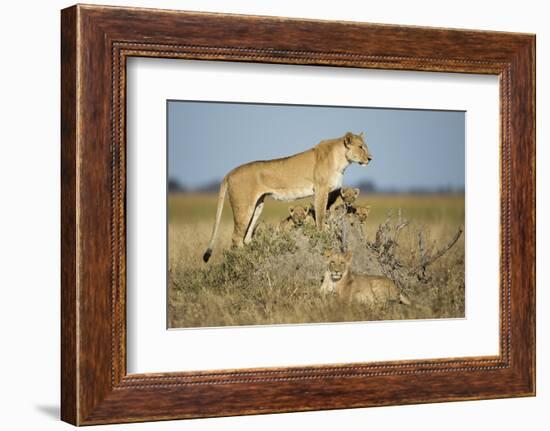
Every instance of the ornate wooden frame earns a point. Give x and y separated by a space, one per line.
95 43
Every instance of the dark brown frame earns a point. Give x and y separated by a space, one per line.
95 43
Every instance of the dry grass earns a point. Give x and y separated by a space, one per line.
276 279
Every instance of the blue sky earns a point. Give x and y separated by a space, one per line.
411 148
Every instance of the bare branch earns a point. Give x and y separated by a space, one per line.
427 261
421 248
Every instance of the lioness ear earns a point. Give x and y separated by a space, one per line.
356 192
348 138
362 134
291 210
327 253
348 255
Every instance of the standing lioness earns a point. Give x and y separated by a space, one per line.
317 171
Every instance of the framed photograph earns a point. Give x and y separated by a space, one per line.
263 214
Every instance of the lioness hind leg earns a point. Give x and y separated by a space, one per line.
254 220
241 220
243 203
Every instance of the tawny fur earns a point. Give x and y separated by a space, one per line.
353 212
367 289
298 216
348 196
316 172
362 214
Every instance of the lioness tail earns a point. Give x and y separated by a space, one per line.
219 209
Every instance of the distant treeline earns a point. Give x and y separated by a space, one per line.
174 186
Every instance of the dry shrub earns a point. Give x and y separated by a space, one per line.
276 278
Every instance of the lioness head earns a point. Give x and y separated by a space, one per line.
298 215
362 213
338 264
349 195
356 148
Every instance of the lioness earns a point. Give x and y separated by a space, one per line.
315 172
368 289
298 216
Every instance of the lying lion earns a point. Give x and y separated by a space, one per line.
367 289
316 172
298 216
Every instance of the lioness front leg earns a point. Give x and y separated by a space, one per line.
320 201
327 286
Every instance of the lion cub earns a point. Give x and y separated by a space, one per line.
352 211
367 289
298 216
349 196
362 213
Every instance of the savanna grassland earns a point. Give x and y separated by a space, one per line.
276 278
